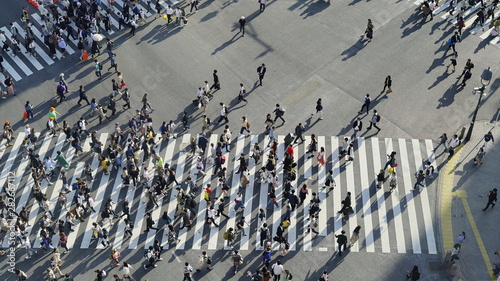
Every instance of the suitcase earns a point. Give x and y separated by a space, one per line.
289 139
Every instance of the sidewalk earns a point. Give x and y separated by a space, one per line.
464 193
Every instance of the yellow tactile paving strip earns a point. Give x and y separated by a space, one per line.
447 195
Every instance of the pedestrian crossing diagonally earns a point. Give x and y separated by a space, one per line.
400 221
24 64
469 15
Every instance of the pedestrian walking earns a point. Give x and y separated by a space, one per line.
454 253
354 236
319 109
211 216
492 197
2 69
126 271
240 225
216 84
453 62
242 23
479 156
9 83
374 120
487 138
420 180
413 275
366 104
98 69
452 144
467 76
223 113
229 237
442 141
346 203
299 132
262 5
83 96
265 234
341 241
313 224
241 93
453 41
278 113
194 4
245 126
460 239
391 160
205 262
237 260
220 207
188 271
369 30
151 258
356 126
496 269
277 269
150 223
261 71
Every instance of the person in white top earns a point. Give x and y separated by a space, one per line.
126 271
277 268
170 13
27 245
452 144
211 216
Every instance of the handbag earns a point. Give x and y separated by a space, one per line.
389 91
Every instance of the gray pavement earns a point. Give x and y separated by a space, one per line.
476 181
311 49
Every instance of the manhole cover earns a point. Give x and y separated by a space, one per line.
435 266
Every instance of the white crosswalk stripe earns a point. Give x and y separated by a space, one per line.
469 16
388 219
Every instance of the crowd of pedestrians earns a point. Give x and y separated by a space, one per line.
133 145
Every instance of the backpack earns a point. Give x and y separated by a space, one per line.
192 204
378 118
209 260
208 121
263 233
248 125
146 253
287 247
223 159
100 67
226 235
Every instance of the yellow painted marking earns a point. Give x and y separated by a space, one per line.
475 230
446 200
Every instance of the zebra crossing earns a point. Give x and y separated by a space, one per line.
469 17
24 64
400 221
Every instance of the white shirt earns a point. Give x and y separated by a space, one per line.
454 142
239 198
27 131
277 269
211 213
90 202
169 11
126 270
27 243
199 93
